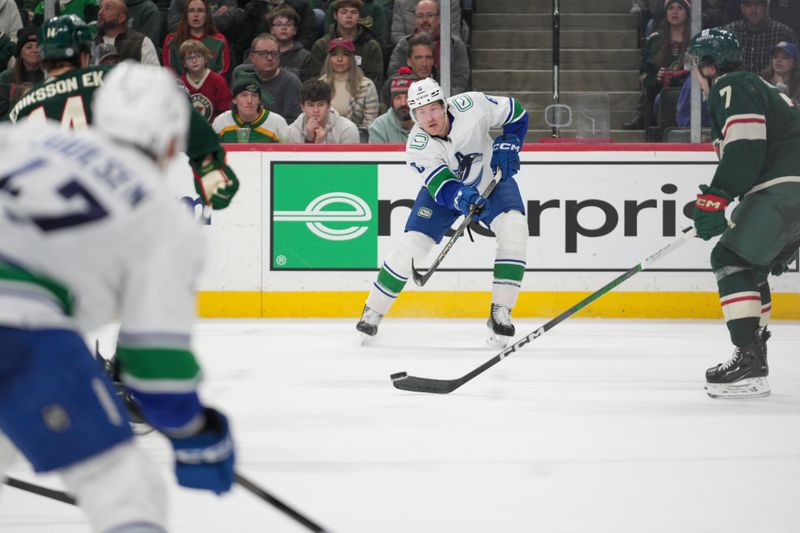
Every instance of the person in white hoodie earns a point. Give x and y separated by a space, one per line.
10 20
318 123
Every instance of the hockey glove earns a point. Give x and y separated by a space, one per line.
205 460
505 155
216 183
709 212
466 197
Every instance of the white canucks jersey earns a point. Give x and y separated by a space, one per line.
89 234
466 153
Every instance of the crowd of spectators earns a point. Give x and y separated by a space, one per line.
309 71
767 31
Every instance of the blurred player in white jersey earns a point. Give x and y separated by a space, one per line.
450 148
90 233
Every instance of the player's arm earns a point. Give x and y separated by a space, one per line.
508 113
739 111
425 160
214 180
156 362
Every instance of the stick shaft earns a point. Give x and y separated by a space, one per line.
417 384
278 504
64 497
422 279
53 494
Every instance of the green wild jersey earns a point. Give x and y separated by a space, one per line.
67 98
757 130
266 128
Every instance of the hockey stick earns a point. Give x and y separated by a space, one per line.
53 494
422 279
245 483
138 421
278 504
403 381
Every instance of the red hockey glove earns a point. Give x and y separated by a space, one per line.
709 212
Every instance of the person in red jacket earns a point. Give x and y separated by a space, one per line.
209 92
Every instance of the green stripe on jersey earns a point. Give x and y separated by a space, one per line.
158 363
390 282
437 181
518 111
59 292
509 271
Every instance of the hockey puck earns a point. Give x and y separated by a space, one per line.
398 376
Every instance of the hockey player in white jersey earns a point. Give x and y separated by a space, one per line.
89 233
450 149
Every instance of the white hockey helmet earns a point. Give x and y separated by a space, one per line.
423 92
142 105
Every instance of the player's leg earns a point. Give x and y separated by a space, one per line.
61 412
426 225
120 490
510 226
741 261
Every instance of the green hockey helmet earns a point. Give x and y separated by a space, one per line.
713 46
64 37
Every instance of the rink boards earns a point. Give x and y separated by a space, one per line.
309 229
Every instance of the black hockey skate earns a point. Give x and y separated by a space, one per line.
500 327
368 325
745 374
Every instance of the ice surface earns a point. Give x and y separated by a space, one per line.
598 426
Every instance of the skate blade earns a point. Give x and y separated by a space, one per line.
366 340
745 388
493 340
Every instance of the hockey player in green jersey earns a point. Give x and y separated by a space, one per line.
66 93
756 130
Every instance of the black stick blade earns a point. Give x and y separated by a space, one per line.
418 278
403 381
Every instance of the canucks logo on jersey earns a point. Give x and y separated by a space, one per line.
470 168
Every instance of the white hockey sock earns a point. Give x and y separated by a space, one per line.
120 491
397 269
511 231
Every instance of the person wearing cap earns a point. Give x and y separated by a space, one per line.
106 54
784 70
758 33
247 120
319 123
27 70
394 126
353 95
662 60
368 55
280 88
208 91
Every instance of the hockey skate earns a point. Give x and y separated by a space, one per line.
368 325
745 374
500 327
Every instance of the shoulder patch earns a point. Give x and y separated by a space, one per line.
419 141
462 102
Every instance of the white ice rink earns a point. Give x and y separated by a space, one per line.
598 426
